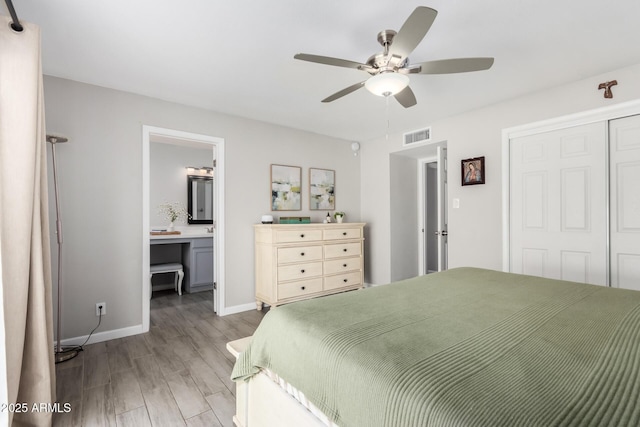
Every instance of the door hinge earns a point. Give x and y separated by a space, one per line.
215 285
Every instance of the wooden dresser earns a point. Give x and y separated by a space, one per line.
296 262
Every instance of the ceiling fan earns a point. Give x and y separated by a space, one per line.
389 69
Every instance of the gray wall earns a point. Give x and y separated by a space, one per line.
168 177
101 192
404 217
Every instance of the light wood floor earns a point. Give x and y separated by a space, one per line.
177 374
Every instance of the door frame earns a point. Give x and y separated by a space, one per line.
612 112
148 132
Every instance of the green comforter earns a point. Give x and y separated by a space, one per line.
466 347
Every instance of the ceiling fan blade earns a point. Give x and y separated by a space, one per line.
413 31
327 60
406 98
343 92
457 65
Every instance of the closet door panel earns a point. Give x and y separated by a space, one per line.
576 266
627 197
626 271
625 202
558 208
575 195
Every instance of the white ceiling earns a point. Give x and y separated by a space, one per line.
236 56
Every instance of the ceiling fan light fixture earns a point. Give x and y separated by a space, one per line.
386 84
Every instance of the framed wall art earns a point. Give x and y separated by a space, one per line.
473 171
286 185
322 189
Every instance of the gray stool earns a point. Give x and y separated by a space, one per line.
173 267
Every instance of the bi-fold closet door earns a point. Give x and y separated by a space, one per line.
624 175
575 203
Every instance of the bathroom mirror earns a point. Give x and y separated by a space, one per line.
200 200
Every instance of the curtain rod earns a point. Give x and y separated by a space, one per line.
14 17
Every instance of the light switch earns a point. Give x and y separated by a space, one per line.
456 203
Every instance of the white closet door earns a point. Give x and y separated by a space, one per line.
625 202
559 204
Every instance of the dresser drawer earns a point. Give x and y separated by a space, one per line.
340 250
300 288
299 271
342 280
295 236
342 233
343 265
299 254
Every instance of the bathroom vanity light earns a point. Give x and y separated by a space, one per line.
200 170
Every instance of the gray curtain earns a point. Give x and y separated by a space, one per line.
24 226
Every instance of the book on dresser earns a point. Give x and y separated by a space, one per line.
301 261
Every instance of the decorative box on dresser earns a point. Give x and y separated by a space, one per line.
301 261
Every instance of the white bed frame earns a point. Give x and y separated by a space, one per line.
261 402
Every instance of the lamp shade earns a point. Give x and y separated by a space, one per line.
386 84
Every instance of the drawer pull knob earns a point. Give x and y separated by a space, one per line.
302 236
344 233
301 253
301 271
344 250
345 280
302 287
344 265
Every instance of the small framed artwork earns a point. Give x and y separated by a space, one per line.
473 171
322 189
286 185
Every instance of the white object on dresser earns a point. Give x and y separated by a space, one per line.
301 261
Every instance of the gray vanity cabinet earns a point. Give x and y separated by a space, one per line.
198 259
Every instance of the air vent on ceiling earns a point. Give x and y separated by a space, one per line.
416 136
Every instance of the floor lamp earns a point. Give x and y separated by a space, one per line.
60 355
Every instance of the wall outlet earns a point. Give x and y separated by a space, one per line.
104 308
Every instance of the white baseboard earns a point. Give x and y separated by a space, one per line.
238 308
103 336
137 329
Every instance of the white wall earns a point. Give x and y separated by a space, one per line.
101 191
475 229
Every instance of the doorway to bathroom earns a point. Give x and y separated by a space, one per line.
165 183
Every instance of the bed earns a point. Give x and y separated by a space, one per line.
465 347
